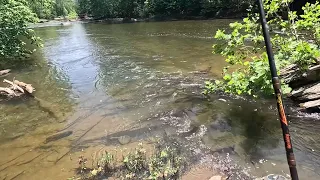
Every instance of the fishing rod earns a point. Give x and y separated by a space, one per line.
277 89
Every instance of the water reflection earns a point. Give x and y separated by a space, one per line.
51 105
259 127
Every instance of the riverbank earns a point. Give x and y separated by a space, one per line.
59 22
160 19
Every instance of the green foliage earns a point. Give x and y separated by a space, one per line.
135 162
165 165
15 16
72 15
218 7
64 7
49 9
43 8
172 8
297 42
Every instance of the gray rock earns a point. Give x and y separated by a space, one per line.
315 105
307 93
124 139
295 78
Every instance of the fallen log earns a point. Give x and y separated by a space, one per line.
4 72
16 89
7 91
27 87
14 86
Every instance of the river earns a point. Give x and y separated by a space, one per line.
143 80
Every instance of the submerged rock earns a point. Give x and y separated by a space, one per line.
58 136
273 177
124 140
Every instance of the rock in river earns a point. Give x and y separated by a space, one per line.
307 93
125 139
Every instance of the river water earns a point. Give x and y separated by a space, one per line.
142 80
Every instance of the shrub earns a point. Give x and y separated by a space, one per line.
296 41
15 16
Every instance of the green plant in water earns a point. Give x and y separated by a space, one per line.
164 164
135 163
296 42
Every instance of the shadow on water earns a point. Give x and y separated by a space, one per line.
259 127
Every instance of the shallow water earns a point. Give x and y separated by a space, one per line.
144 81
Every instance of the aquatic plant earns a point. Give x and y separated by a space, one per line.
164 163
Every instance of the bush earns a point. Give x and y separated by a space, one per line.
296 42
72 15
15 16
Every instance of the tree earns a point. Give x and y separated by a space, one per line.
297 42
172 8
15 15
64 7
43 8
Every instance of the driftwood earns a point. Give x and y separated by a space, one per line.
4 72
9 91
27 87
16 88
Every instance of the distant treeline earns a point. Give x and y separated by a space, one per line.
161 8
48 9
100 9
